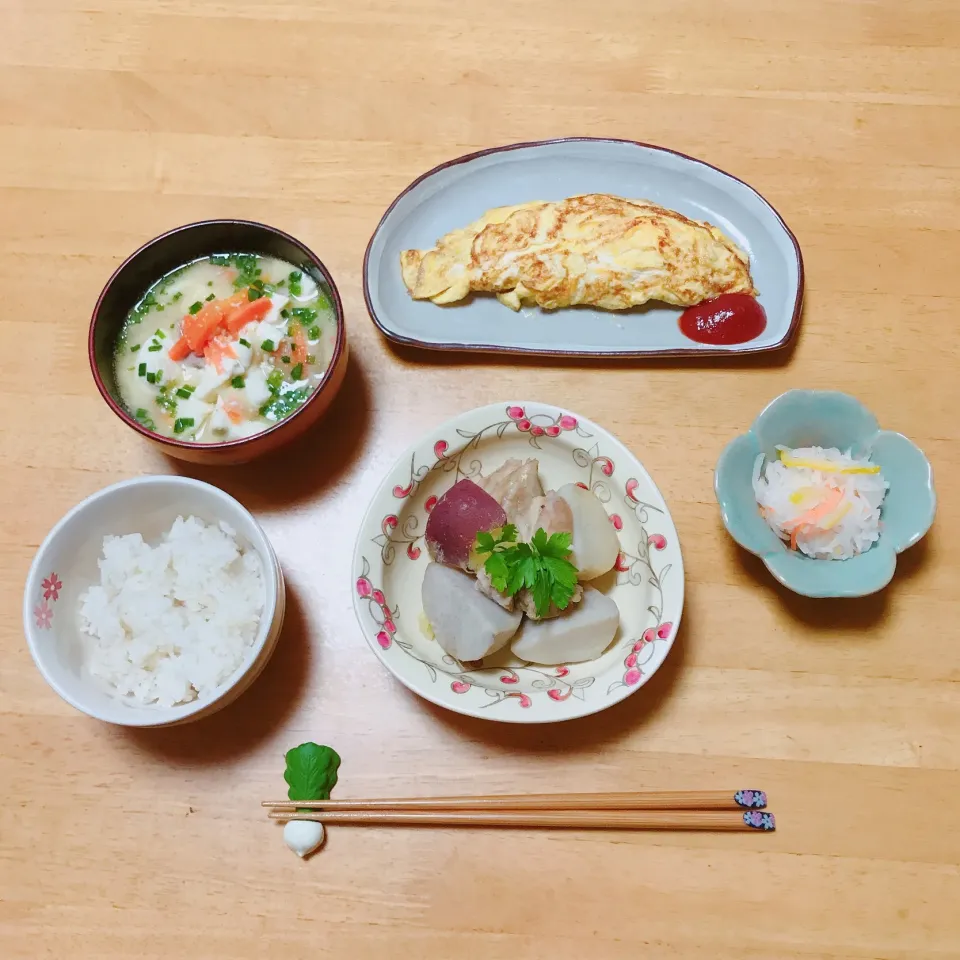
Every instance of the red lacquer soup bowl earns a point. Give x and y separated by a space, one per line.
182 246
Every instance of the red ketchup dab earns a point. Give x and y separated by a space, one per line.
729 318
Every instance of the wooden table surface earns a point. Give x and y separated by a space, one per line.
122 118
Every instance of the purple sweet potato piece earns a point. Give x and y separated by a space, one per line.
459 515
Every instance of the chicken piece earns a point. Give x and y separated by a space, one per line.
525 604
466 624
579 633
551 513
514 485
486 587
597 249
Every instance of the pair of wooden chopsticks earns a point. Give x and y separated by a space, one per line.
691 810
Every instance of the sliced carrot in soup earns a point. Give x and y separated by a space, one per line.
231 314
246 313
234 410
180 350
236 300
198 328
300 345
217 351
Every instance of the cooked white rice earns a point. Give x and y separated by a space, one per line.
825 502
173 622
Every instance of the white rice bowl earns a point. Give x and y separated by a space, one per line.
786 494
172 623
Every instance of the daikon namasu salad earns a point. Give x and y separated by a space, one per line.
224 347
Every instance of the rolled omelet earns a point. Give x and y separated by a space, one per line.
596 250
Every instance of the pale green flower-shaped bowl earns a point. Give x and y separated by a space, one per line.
826 418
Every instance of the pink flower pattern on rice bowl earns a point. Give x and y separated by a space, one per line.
390 559
50 589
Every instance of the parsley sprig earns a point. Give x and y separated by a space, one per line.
540 565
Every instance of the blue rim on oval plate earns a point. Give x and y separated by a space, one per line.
827 418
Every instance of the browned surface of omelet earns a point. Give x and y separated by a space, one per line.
596 250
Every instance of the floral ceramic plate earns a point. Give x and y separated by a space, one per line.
647 583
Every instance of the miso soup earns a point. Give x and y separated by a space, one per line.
224 347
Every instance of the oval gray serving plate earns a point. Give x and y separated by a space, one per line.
459 191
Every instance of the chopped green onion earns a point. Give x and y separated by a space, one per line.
177 295
142 370
185 392
284 312
268 346
212 296
274 381
284 359
311 358
296 275
248 272
151 377
161 308
254 294
297 372
314 333
155 347
135 348
243 343
257 284
237 382
209 283
166 402
143 417
180 425
284 404
281 283
159 334
305 314
196 307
